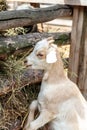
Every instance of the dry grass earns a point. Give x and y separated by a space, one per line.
14 105
3 5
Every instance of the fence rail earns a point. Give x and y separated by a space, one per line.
69 2
78 47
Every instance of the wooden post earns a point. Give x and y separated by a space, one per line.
78 49
82 75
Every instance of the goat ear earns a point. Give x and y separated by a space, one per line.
50 40
51 56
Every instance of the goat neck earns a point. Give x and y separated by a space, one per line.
55 71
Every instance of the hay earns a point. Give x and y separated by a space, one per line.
14 105
3 5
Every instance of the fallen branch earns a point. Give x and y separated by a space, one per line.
15 44
20 43
19 18
27 77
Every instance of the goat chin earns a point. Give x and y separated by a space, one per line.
60 102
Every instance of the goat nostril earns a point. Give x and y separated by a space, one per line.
25 61
27 64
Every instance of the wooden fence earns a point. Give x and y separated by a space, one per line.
68 2
78 49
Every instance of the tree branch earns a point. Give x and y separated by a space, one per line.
19 18
13 44
27 77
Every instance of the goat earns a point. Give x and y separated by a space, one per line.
24 6
59 102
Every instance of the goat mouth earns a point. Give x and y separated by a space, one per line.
28 66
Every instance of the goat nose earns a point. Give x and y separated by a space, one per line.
25 62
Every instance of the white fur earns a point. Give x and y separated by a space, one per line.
24 6
59 102
51 56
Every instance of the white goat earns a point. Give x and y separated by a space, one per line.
59 102
24 6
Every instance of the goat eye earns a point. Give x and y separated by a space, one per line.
40 55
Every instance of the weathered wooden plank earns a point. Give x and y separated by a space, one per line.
61 22
68 2
75 43
22 79
78 50
20 18
21 43
82 76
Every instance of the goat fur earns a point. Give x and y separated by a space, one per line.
59 102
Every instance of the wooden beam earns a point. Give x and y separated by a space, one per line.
75 43
78 50
20 18
19 44
28 77
82 75
68 2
